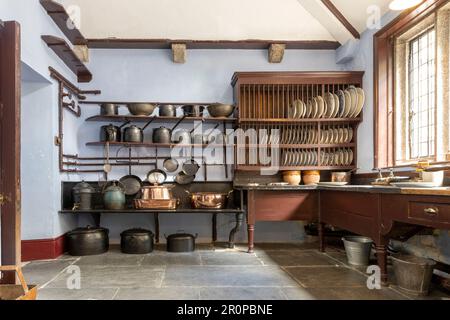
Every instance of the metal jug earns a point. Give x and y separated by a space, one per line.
114 197
82 196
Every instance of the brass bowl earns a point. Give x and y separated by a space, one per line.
141 109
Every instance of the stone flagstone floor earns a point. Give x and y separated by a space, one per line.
273 272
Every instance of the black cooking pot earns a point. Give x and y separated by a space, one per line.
87 241
136 241
110 133
181 242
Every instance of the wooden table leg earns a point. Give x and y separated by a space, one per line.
382 262
156 216
214 227
321 230
251 233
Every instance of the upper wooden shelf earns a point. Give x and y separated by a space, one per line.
116 43
60 16
305 120
66 54
132 118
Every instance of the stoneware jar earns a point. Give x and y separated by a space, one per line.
311 177
294 178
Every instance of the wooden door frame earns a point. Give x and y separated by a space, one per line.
10 93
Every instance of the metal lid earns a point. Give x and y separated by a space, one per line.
83 187
88 230
181 236
137 232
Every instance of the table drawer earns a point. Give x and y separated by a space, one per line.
285 206
428 211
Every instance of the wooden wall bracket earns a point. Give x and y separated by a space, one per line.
62 19
69 57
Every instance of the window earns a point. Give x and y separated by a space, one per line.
421 102
412 87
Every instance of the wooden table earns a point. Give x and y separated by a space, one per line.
378 213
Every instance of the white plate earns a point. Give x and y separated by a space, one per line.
333 184
348 104
415 184
329 99
354 99
361 101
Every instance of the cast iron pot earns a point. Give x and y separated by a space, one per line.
136 241
87 241
181 242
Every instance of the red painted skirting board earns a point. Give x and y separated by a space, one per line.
42 249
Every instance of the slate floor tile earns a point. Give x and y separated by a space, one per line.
213 276
113 277
166 258
40 272
172 293
327 277
82 294
295 258
229 258
241 293
342 293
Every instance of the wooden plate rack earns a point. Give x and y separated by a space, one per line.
263 100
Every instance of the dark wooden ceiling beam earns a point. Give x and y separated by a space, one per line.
114 43
342 19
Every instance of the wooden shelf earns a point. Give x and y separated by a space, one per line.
153 145
132 118
66 54
296 168
60 16
293 121
127 211
116 43
301 146
125 103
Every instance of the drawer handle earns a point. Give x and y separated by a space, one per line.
431 211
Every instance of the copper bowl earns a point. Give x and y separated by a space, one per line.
209 200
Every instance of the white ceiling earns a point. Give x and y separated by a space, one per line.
290 20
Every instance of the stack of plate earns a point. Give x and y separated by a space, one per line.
343 104
336 134
308 134
339 157
303 157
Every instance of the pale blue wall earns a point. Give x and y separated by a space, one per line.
150 75
39 167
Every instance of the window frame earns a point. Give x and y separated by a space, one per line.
385 79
